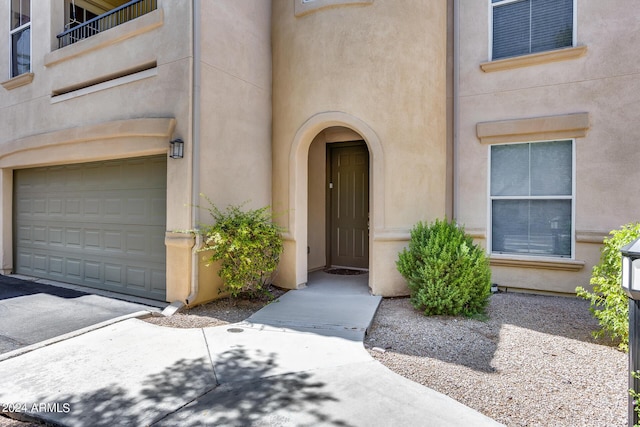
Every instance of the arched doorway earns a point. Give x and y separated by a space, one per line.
305 239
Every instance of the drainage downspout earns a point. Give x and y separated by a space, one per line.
456 118
195 148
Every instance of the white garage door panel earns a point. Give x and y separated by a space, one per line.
98 224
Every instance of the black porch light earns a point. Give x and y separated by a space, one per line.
176 150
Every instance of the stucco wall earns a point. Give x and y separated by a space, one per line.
95 89
235 116
92 100
378 67
317 235
603 83
158 37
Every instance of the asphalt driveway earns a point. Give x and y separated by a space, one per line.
31 312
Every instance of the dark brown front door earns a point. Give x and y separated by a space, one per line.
349 205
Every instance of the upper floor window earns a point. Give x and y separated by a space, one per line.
520 27
79 15
531 198
20 37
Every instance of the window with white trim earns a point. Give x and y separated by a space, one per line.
20 37
532 198
521 27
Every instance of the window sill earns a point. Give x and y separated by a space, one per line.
543 263
21 80
534 59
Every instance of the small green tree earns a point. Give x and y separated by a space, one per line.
445 271
249 245
608 302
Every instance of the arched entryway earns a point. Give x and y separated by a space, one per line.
308 190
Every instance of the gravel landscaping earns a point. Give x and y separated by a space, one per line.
533 362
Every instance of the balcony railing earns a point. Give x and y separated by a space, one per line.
113 18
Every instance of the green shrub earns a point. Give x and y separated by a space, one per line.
249 245
445 271
608 302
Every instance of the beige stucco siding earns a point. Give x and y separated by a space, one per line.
235 114
602 83
382 65
88 101
236 102
257 89
97 99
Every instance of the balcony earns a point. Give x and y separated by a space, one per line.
112 18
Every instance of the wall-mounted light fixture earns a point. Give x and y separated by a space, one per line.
176 150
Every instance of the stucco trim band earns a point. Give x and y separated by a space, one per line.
476 233
131 137
180 240
143 24
21 80
88 88
404 235
389 235
591 236
304 7
534 129
534 59
542 264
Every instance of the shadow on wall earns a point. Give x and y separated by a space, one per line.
191 387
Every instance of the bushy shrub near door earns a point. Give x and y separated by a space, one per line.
248 244
446 272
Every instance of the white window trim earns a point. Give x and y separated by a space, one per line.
11 33
503 2
573 207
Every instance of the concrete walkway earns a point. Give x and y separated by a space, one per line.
299 361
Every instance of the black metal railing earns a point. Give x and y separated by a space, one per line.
113 18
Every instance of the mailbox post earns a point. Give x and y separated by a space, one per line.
631 285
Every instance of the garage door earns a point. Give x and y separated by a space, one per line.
95 224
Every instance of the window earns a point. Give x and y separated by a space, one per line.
531 191
520 27
20 37
78 15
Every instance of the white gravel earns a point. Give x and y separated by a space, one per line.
532 363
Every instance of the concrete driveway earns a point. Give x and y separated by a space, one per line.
32 312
